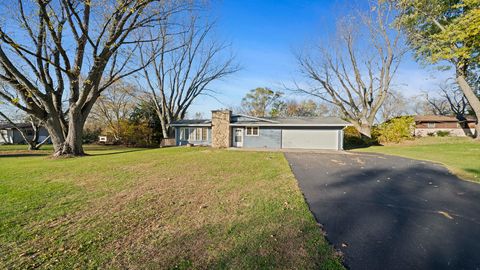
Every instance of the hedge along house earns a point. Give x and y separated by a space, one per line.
236 130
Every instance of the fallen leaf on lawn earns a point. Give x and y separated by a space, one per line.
445 214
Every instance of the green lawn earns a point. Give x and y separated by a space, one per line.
174 208
460 155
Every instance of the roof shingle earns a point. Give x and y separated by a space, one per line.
441 118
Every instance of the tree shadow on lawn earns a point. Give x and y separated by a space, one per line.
117 152
46 153
412 216
475 172
14 154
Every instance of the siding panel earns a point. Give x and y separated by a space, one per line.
268 137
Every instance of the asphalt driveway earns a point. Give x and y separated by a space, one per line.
386 212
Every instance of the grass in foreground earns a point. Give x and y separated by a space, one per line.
159 208
460 155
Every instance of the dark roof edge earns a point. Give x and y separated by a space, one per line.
190 125
292 125
256 118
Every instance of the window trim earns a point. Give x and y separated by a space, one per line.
194 134
251 129
431 125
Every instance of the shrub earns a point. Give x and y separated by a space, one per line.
395 130
351 142
431 134
90 135
351 132
353 139
137 134
442 133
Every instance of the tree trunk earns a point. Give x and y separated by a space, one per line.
56 133
33 143
364 126
163 123
366 130
165 129
72 144
32 146
472 100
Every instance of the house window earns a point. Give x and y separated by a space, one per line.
184 134
198 134
252 131
431 125
189 134
193 134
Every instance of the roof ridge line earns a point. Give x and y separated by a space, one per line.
257 118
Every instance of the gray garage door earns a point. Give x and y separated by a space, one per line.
310 139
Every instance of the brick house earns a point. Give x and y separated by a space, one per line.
430 124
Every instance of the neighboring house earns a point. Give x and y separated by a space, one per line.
430 124
10 135
236 130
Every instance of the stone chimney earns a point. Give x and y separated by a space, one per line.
221 134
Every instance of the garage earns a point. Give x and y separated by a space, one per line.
312 138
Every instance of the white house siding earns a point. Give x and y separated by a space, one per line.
6 136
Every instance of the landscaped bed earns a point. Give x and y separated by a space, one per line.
460 155
156 208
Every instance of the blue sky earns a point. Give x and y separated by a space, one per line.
265 33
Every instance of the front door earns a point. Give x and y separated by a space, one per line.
237 137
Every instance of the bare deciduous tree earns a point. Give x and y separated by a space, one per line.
394 105
114 106
47 46
450 100
456 100
355 74
436 106
187 62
